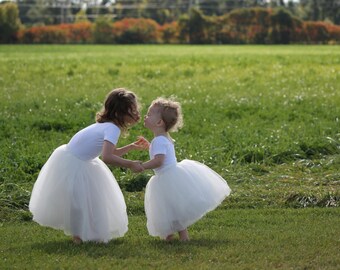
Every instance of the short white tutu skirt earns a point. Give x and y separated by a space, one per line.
178 196
82 198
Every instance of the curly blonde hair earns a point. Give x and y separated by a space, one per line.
171 113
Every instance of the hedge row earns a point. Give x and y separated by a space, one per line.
247 26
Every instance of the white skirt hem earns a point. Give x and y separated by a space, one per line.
82 198
180 195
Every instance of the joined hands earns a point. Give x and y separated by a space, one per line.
140 144
137 167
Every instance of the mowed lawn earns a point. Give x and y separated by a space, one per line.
224 239
267 118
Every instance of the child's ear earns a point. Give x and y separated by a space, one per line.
160 123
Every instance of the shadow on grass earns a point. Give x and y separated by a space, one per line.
124 248
200 242
95 250
194 245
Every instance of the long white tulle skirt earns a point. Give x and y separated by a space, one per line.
82 198
178 196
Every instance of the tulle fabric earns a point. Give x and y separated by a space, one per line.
82 198
179 195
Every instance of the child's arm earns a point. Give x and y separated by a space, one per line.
156 162
123 150
112 159
140 144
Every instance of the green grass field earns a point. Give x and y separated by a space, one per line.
233 239
267 118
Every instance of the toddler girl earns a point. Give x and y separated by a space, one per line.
178 194
75 190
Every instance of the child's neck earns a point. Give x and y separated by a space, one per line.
161 132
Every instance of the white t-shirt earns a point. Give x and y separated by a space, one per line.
88 142
162 145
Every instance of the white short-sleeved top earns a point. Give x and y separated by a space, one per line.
88 143
162 145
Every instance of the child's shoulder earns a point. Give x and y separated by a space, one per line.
105 127
161 139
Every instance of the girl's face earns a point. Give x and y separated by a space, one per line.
134 116
152 119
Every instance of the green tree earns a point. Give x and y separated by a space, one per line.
281 22
283 25
37 14
196 26
183 28
81 16
103 30
330 10
9 22
320 10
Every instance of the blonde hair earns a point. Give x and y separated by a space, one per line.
171 113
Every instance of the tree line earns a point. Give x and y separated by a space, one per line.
255 25
47 12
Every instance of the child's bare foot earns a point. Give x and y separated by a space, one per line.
77 240
169 237
184 235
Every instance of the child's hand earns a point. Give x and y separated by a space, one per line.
136 167
142 143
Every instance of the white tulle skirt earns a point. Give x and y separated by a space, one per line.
82 198
178 196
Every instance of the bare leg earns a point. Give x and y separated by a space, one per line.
77 240
169 237
184 235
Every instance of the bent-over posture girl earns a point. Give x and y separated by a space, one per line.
75 190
